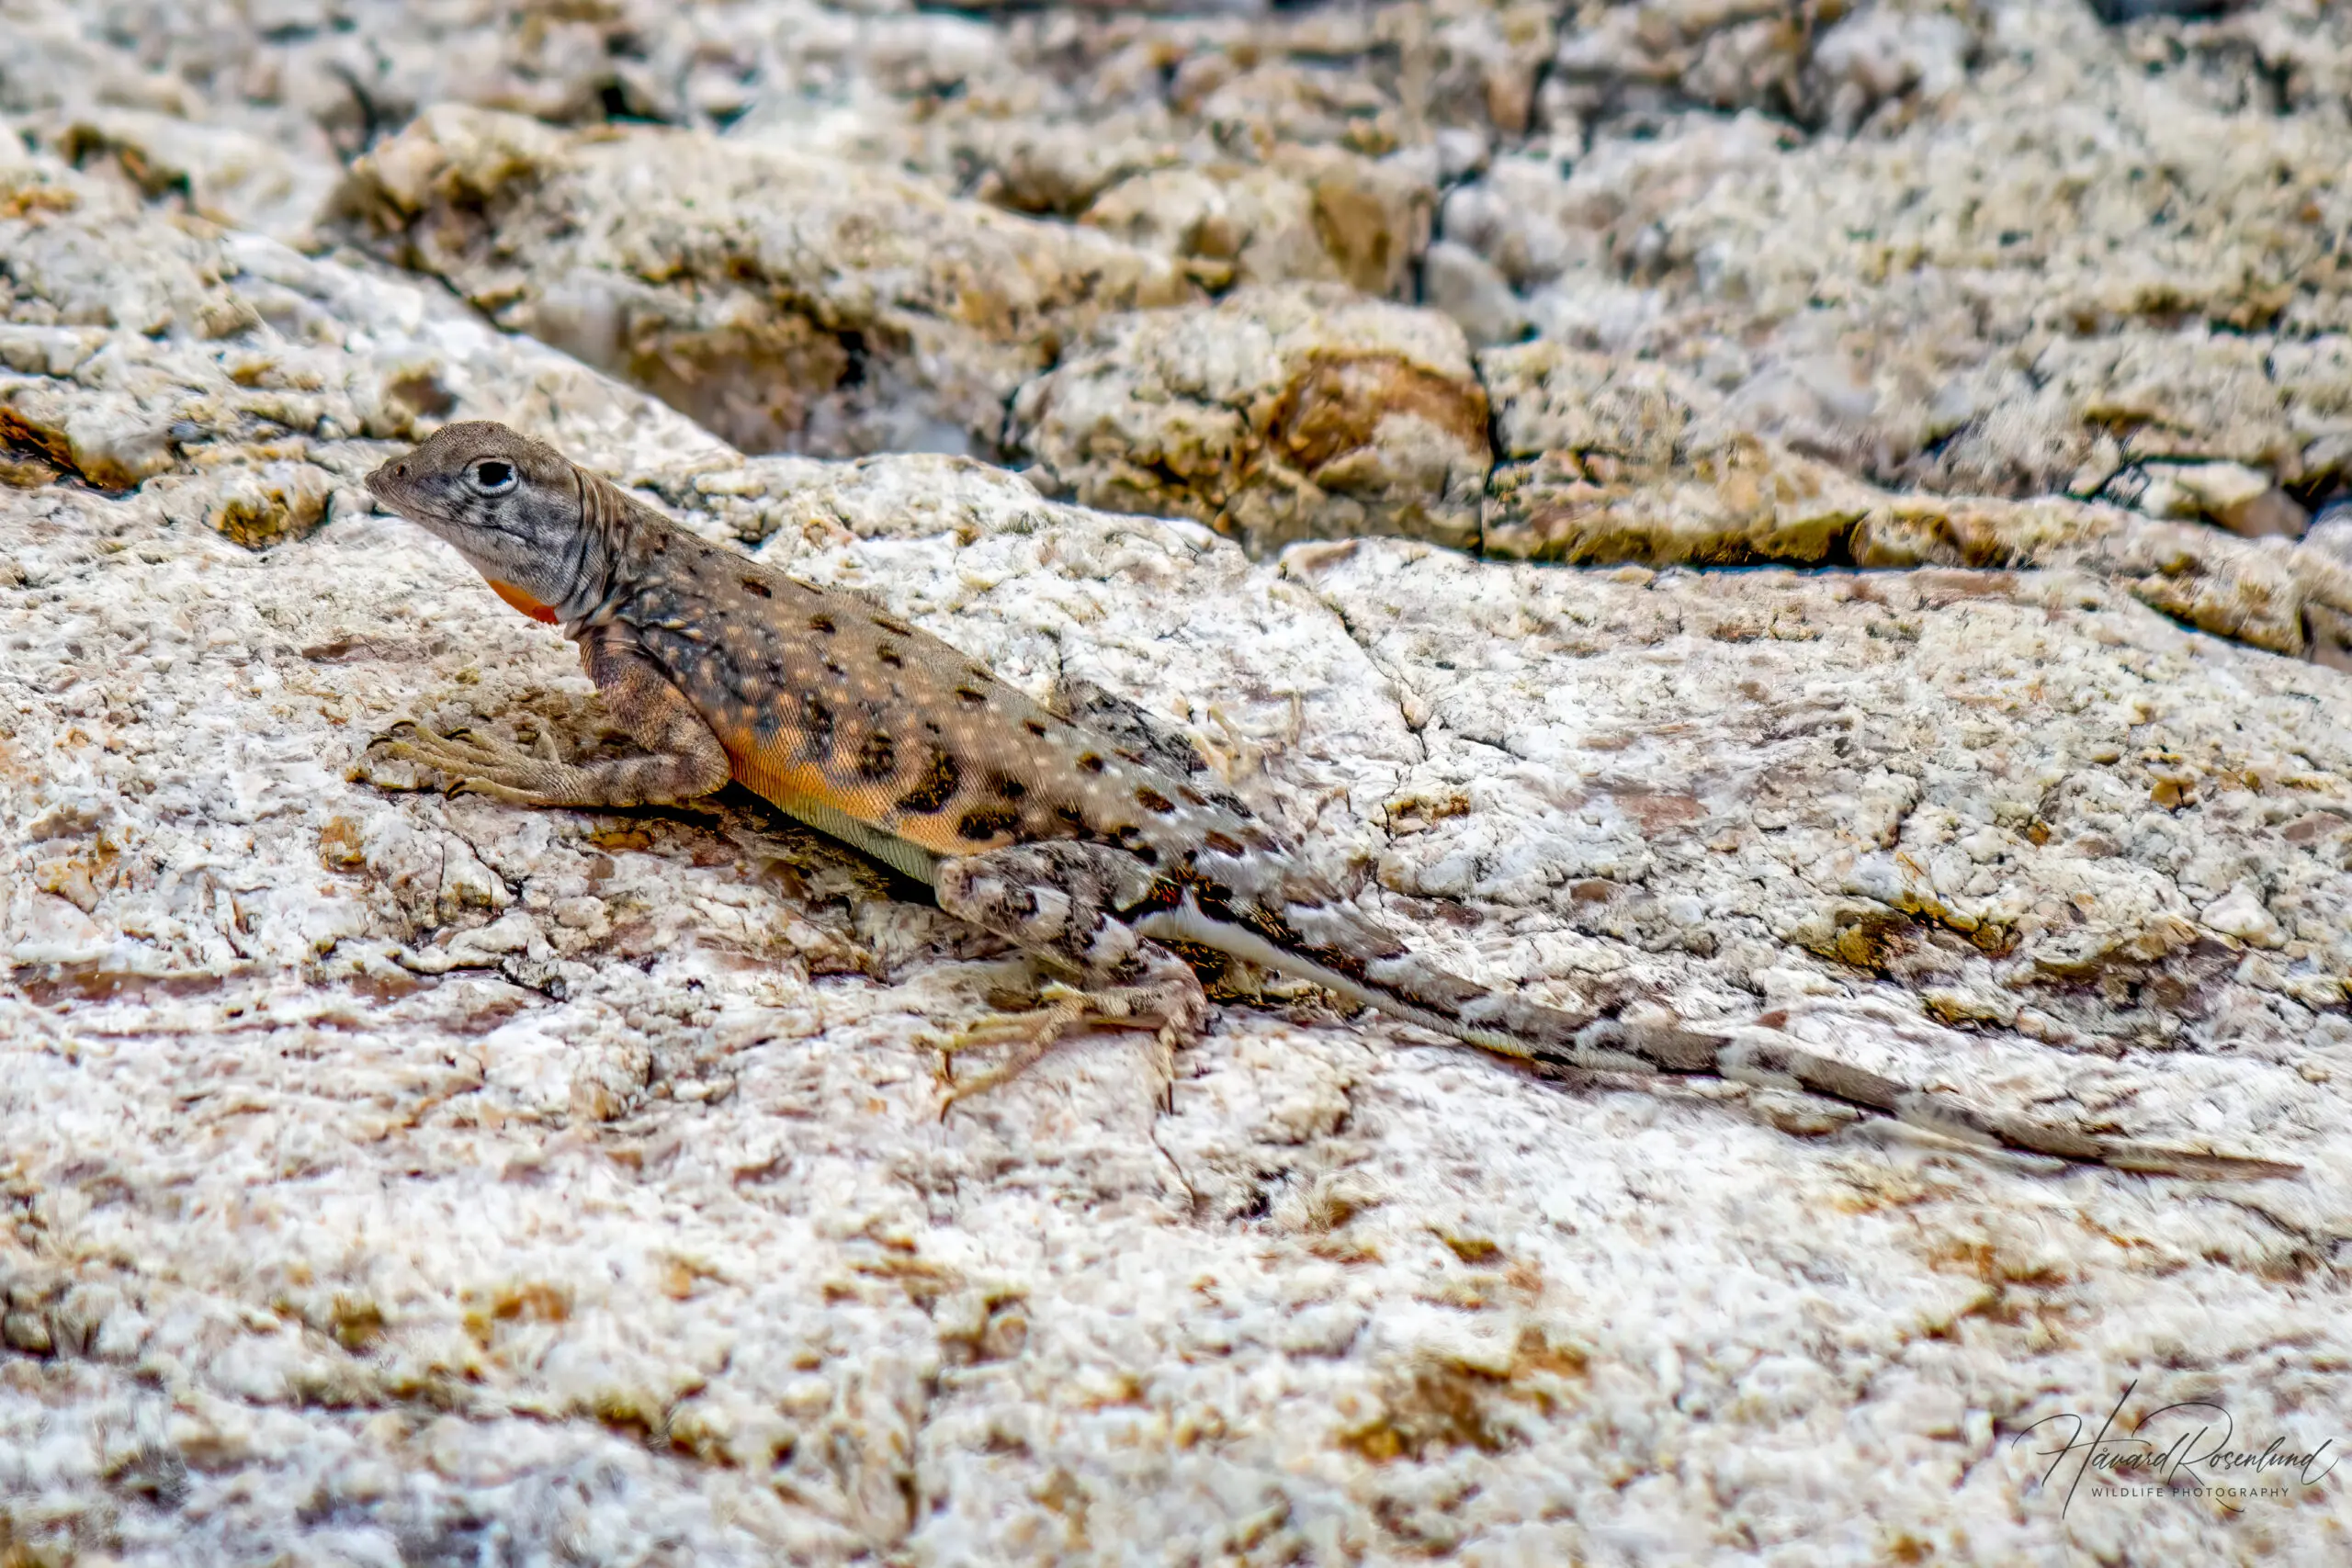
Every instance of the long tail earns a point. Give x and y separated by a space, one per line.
1325 941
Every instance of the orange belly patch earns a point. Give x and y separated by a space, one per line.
775 773
522 600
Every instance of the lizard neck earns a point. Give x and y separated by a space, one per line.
584 580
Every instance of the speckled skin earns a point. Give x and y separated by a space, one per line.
819 695
1095 846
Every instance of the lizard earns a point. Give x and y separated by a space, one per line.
1099 848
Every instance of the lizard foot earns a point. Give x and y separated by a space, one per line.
1059 902
1171 1007
466 762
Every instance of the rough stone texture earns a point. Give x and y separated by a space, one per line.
398 1175
1831 67
341 74
786 301
1603 460
1385 96
1310 214
2069 250
387 1178
237 383
1272 415
1974 246
1466 286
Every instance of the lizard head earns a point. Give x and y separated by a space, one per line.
511 506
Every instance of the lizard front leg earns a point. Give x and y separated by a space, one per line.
683 759
1060 903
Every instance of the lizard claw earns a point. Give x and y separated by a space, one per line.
1031 1034
494 790
463 761
1066 1010
391 731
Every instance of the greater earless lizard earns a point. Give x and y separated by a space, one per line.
1099 848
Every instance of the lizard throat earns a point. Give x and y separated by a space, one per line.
522 600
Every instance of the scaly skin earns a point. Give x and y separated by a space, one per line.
1094 844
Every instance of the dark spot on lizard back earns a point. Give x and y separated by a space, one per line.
1006 787
877 757
966 694
892 624
757 588
1070 816
940 780
985 822
1191 795
1222 843
1034 727
817 721
822 624
1145 853
890 656
1091 762
1151 799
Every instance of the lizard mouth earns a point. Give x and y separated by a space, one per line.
380 482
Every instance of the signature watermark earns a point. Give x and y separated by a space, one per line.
2188 1450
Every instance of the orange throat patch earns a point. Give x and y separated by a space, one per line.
522 600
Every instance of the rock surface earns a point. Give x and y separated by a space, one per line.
1995 248
1605 459
394 1179
787 302
1273 415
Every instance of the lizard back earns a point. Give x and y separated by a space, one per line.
862 725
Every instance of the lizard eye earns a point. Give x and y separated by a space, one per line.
493 477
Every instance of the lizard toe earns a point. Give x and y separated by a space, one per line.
1167 1011
493 789
1065 1007
464 752
391 732
367 768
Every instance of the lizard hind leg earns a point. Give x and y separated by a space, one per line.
1060 903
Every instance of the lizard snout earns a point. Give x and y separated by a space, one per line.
379 480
